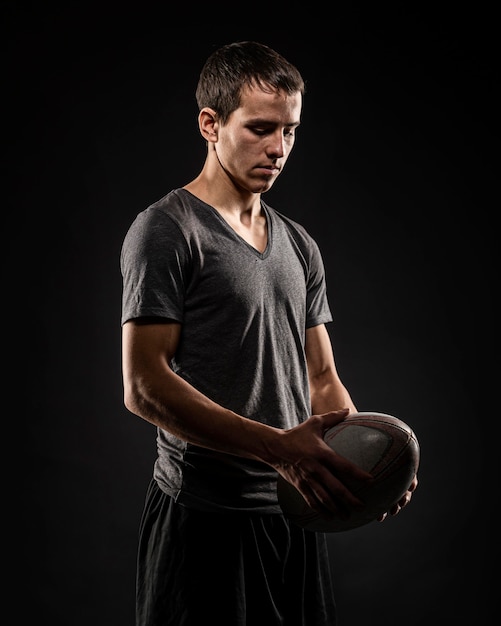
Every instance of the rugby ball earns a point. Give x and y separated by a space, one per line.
379 443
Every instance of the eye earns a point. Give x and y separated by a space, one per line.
261 129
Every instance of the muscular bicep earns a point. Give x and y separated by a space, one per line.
147 351
154 392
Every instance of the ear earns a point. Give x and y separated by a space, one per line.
207 124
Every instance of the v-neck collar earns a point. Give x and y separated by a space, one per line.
269 226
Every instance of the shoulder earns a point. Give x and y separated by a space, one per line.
176 212
155 227
178 205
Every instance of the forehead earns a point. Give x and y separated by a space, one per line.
270 104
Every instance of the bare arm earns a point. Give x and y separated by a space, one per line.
328 392
153 391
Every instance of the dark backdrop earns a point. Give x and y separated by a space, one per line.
388 173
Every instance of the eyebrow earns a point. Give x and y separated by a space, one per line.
268 122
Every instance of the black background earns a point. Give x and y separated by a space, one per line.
389 173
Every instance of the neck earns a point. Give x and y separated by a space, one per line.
215 187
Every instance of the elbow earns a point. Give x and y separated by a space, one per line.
131 398
128 403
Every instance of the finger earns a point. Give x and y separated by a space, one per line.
406 499
339 494
332 506
402 503
348 470
332 418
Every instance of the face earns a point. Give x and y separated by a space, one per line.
254 144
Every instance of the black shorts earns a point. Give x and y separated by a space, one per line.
196 568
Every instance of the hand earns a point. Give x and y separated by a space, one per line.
322 476
403 502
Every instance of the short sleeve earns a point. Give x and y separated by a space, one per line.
154 263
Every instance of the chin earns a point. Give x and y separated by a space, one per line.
264 187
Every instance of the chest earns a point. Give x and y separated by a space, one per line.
230 271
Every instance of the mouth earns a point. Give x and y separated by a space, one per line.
268 170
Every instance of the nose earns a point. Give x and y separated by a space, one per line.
276 145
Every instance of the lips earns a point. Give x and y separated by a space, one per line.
269 169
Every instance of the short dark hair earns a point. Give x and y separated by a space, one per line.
235 65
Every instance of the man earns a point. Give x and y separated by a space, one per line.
226 352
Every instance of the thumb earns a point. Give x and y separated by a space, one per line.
332 418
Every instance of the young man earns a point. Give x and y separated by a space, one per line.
226 352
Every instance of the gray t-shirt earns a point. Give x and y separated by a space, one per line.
243 315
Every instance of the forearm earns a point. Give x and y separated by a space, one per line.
327 391
169 402
156 393
329 394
